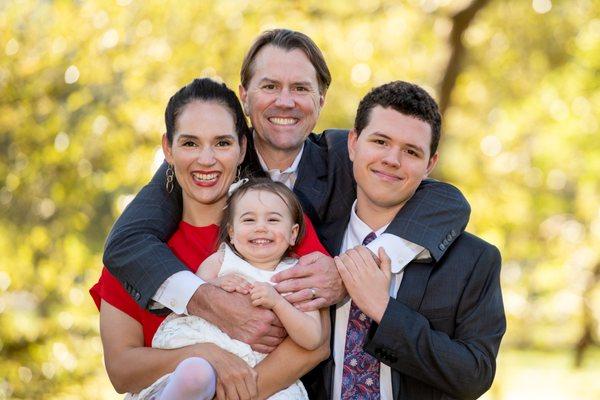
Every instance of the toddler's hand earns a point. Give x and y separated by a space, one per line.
233 283
265 295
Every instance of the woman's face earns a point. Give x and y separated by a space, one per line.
205 152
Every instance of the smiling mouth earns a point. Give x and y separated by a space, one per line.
282 121
205 177
261 242
387 177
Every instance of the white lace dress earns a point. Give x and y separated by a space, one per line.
180 330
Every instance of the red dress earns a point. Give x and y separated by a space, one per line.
192 245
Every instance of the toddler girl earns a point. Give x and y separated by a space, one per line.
261 223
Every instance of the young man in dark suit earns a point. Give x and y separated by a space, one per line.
284 80
428 329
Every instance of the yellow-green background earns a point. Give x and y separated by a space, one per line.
83 86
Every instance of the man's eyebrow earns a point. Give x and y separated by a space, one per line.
228 136
270 80
415 147
410 145
186 136
190 136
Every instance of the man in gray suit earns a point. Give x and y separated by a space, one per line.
427 329
284 80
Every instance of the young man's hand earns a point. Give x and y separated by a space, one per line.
368 284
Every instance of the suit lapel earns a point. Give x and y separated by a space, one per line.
311 183
411 293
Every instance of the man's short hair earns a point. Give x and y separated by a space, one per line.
406 98
288 40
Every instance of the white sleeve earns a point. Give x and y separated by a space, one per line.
400 251
177 290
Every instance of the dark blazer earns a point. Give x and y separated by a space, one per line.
136 253
441 334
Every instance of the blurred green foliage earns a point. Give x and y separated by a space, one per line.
83 86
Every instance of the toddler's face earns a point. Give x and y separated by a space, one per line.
262 228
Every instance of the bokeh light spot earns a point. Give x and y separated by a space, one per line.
61 142
361 73
110 39
541 6
11 48
71 74
491 146
556 179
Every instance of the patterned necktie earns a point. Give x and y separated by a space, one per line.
360 378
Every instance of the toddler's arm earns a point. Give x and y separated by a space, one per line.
304 328
209 271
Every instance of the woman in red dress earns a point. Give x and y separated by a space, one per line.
207 145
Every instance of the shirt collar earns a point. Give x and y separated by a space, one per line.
359 230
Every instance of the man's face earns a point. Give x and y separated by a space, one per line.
390 158
282 98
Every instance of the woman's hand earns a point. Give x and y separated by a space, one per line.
233 283
235 379
265 295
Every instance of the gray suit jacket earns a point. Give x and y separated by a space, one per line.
441 334
136 253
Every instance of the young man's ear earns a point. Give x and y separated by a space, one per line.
352 139
432 163
166 147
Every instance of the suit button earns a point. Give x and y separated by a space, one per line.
138 296
442 247
449 237
453 232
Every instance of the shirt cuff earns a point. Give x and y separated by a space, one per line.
400 251
176 292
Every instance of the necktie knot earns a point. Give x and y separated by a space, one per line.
370 237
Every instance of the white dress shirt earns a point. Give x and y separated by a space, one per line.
287 176
177 290
401 252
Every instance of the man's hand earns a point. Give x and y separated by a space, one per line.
234 314
233 283
264 294
235 378
367 283
314 283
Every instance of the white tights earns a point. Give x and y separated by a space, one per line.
193 379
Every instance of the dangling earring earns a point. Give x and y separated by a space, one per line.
170 174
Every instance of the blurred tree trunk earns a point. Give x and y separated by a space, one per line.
589 323
460 23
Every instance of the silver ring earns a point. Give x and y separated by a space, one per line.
314 293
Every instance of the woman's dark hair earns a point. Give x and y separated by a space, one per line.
205 89
263 185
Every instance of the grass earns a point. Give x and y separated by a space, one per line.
530 374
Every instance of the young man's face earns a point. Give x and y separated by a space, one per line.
390 158
282 98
